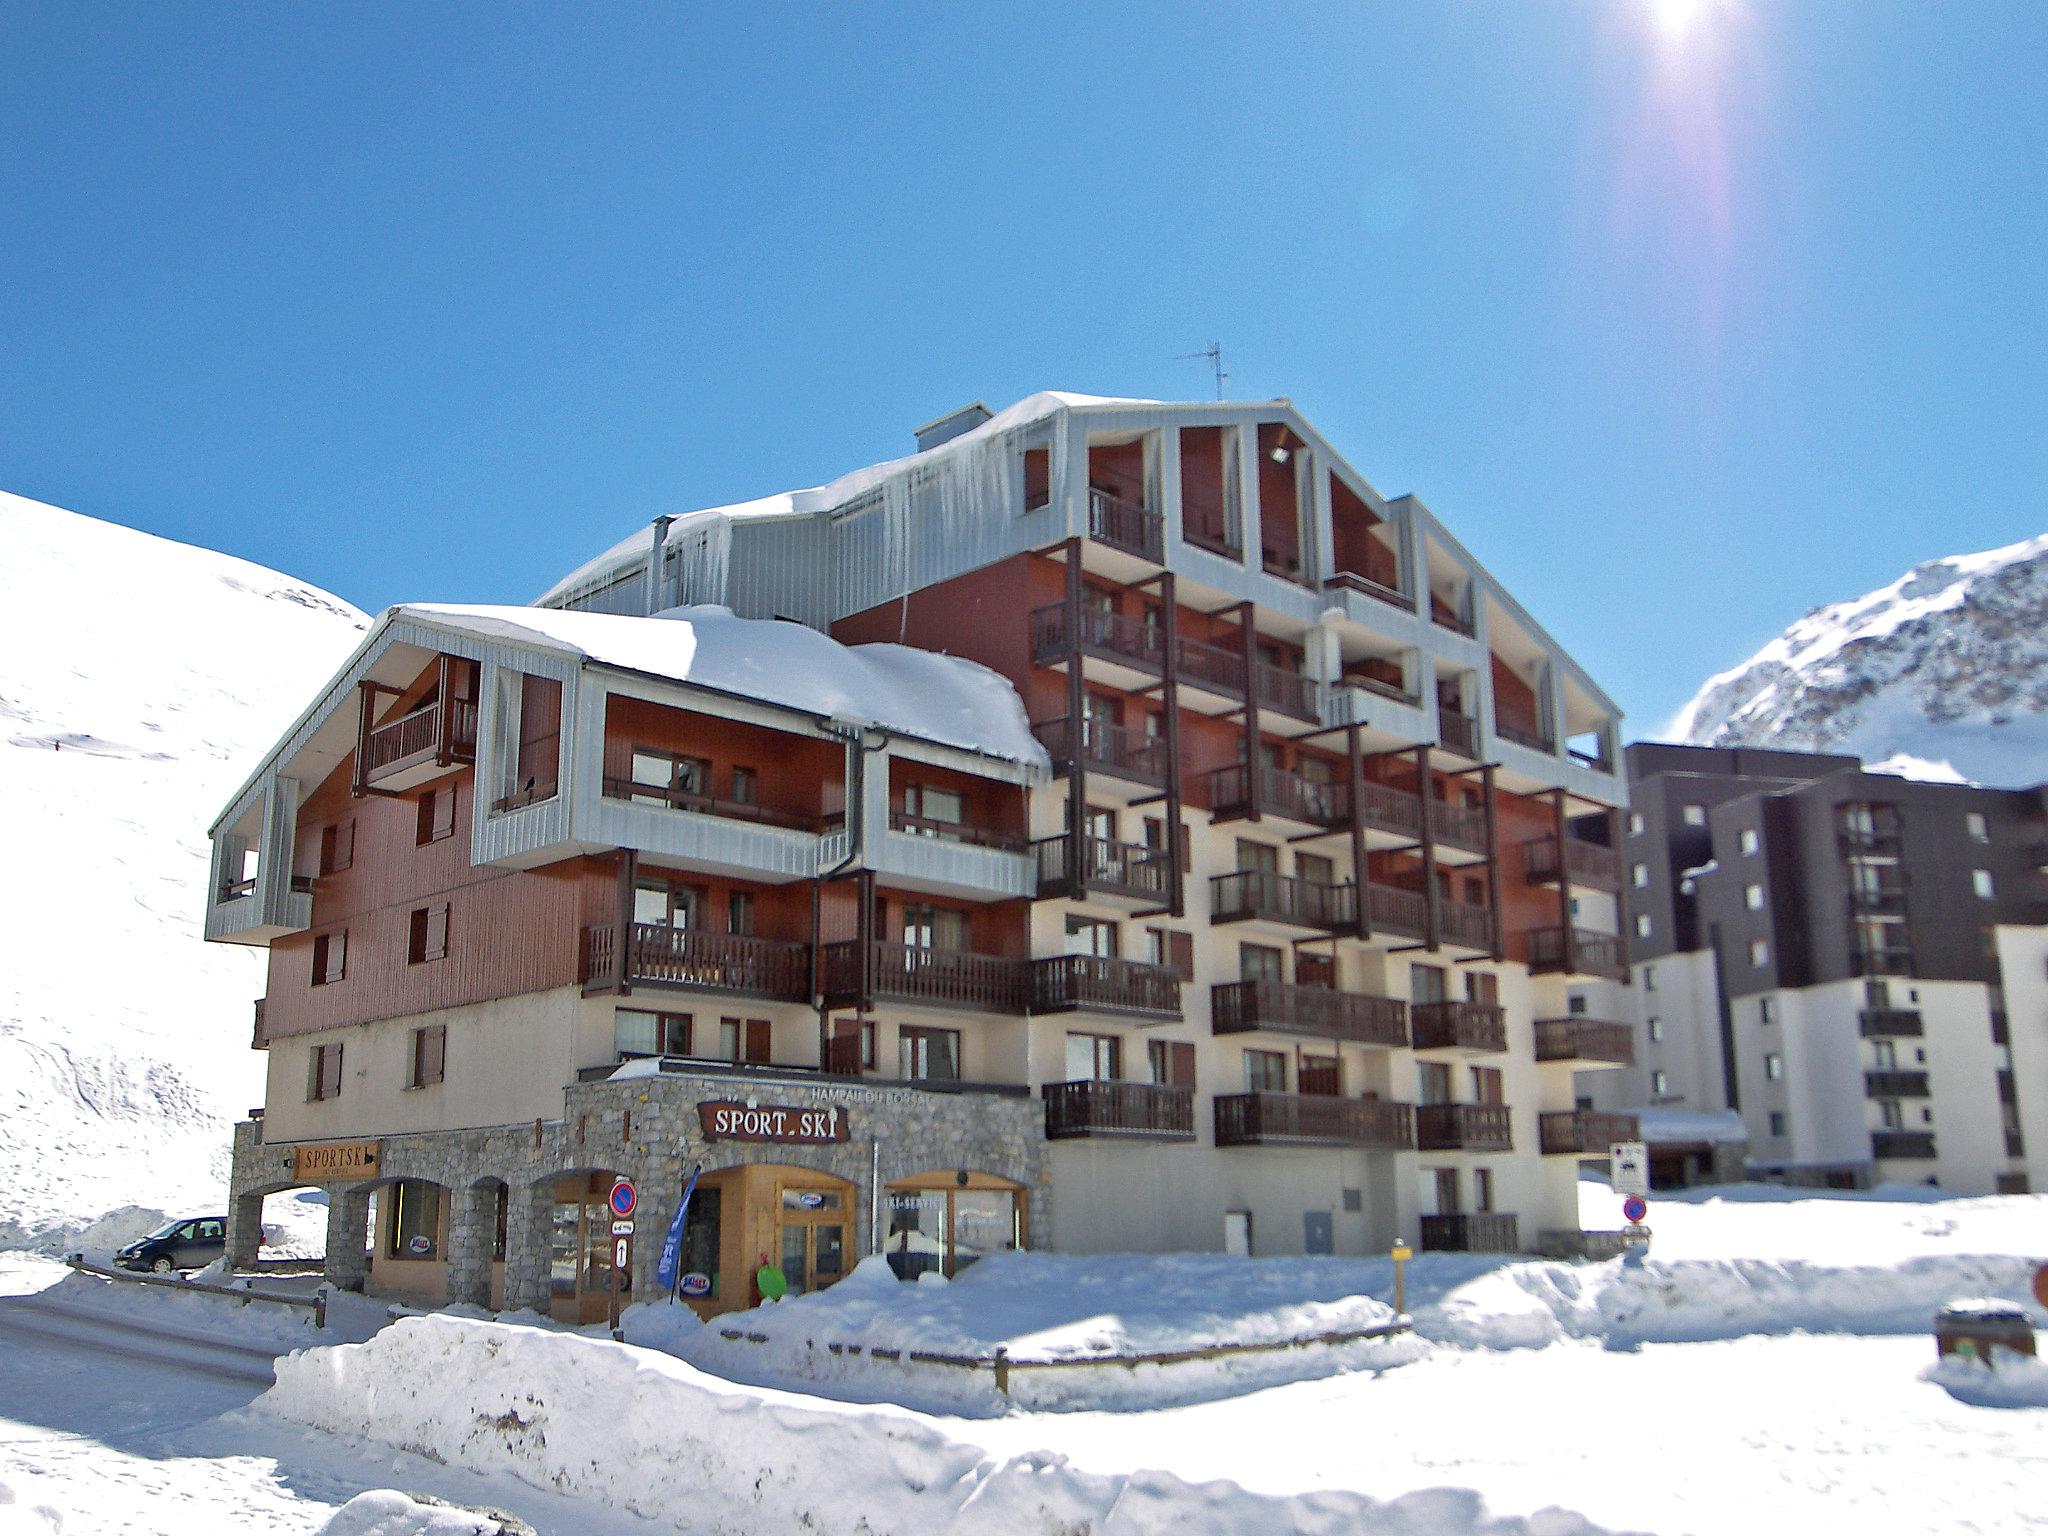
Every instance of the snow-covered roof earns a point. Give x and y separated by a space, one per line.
1661 1123
944 699
823 498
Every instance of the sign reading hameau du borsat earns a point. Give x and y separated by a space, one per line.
728 1120
327 1160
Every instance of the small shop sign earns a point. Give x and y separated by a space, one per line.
322 1162
729 1120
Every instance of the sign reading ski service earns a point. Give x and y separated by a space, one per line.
1628 1166
728 1120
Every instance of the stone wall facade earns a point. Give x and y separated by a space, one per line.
649 1129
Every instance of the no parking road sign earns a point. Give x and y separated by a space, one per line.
623 1199
1635 1208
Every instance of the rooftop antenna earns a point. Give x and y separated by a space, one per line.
1214 353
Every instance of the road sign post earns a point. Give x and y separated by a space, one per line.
623 1201
1628 1167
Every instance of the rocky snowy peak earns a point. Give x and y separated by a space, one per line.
140 679
1942 674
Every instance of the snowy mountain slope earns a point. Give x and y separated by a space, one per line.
139 680
1941 674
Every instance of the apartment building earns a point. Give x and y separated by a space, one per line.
1115 827
1851 960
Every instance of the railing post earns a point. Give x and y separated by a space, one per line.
1432 918
1169 701
444 722
622 945
1077 704
1568 939
1248 639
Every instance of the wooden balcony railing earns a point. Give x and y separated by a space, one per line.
1443 614
1583 1132
1105 748
1104 984
414 736
1587 953
957 832
1582 1039
1238 1006
675 799
1463 826
1352 581
1470 1232
1385 808
1464 923
1456 1024
1463 1128
1458 733
1116 635
1281 793
1312 1119
1267 897
1211 667
1288 692
1127 525
1592 864
1127 1111
945 978
1895 1085
1890 1021
1914 1145
659 956
1069 864
1390 909
1524 733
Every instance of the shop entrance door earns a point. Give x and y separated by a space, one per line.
810 1233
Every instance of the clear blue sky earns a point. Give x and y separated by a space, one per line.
1686 317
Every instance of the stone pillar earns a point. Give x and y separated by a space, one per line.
348 1236
472 1234
529 1215
245 1231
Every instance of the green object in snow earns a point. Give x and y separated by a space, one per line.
774 1285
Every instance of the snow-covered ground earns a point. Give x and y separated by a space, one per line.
139 681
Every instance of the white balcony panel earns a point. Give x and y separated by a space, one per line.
954 869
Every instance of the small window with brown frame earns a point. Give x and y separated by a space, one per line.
428 939
330 957
436 816
429 1056
337 846
323 1073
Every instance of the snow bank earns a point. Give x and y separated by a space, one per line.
387 1512
640 1431
202 1315
18 1517
2016 1381
1041 1307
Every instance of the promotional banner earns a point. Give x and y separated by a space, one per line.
672 1245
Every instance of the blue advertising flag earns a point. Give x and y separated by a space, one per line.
672 1245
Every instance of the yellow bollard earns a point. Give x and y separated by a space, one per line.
1402 1254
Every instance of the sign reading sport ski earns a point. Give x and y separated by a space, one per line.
728 1120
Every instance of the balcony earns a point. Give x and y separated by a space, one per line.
1458 733
940 978
1882 903
1114 636
1105 748
1576 952
1885 1022
1583 1132
1352 1017
1447 616
404 753
1352 581
676 799
1382 808
1313 1120
1592 864
1470 1232
1258 895
1585 1041
1463 1128
1119 1111
1126 525
1103 867
1913 1146
1457 1025
1288 692
1895 1085
1886 960
1463 923
1392 910
957 832
696 959
1870 842
1281 793
1103 984
1462 826
1526 734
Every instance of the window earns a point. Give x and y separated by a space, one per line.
323 1075
1426 984
928 1054
1980 882
1890 1115
1037 478
1258 962
1262 858
665 906
1649 978
429 1056
1695 816
1978 828
1482 987
1094 1057
1487 1086
1171 1062
739 912
1575 1002
1777 1122
667 778
1766 1011
436 817
1265 1072
745 785
1173 949
1642 925
413 1230
1640 876
330 957
1091 936
1759 952
1749 840
1315 867
742 1040
1635 823
1774 1067
851 1049
1432 1082
1753 897
428 939
940 928
540 739
637 1032
1482 1189
337 846
923 802
1658 1083
1885 1054
1656 1029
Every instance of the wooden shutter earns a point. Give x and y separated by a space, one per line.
444 812
437 931
1180 1063
1315 970
757 1048
1180 954
330 957
1486 1085
330 1071
433 1053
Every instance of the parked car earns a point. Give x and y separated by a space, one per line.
189 1243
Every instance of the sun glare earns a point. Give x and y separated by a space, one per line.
1676 19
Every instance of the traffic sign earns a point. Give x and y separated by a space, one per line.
622 1255
623 1198
622 1228
1635 1208
1628 1167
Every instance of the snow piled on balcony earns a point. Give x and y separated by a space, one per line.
943 699
139 679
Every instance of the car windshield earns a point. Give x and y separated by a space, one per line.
165 1230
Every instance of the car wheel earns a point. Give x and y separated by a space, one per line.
162 1266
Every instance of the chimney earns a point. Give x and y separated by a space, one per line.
949 426
654 552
